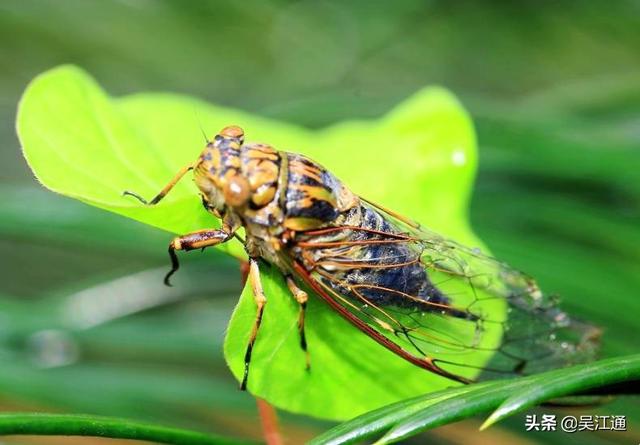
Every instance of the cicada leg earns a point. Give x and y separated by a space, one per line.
301 297
261 300
166 189
195 240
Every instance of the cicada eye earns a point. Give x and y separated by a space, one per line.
236 191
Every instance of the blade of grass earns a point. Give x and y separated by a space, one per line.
565 381
410 417
83 425
380 420
594 376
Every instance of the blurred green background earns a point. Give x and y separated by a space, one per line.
554 91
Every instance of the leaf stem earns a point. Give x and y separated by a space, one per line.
269 420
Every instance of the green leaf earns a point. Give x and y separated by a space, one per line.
418 159
82 425
506 397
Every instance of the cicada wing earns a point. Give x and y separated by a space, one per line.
529 332
434 301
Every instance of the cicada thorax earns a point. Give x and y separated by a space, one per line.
268 187
242 180
267 191
314 197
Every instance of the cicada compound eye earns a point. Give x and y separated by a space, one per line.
236 191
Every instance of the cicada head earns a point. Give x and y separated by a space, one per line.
219 175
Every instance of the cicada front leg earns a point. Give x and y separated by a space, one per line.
196 240
260 299
301 297
166 189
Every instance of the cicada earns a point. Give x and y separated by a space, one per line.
440 305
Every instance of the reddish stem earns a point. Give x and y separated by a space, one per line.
269 420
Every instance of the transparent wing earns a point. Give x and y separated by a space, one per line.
439 304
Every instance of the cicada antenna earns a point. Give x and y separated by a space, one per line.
204 133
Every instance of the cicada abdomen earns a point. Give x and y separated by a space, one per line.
439 305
